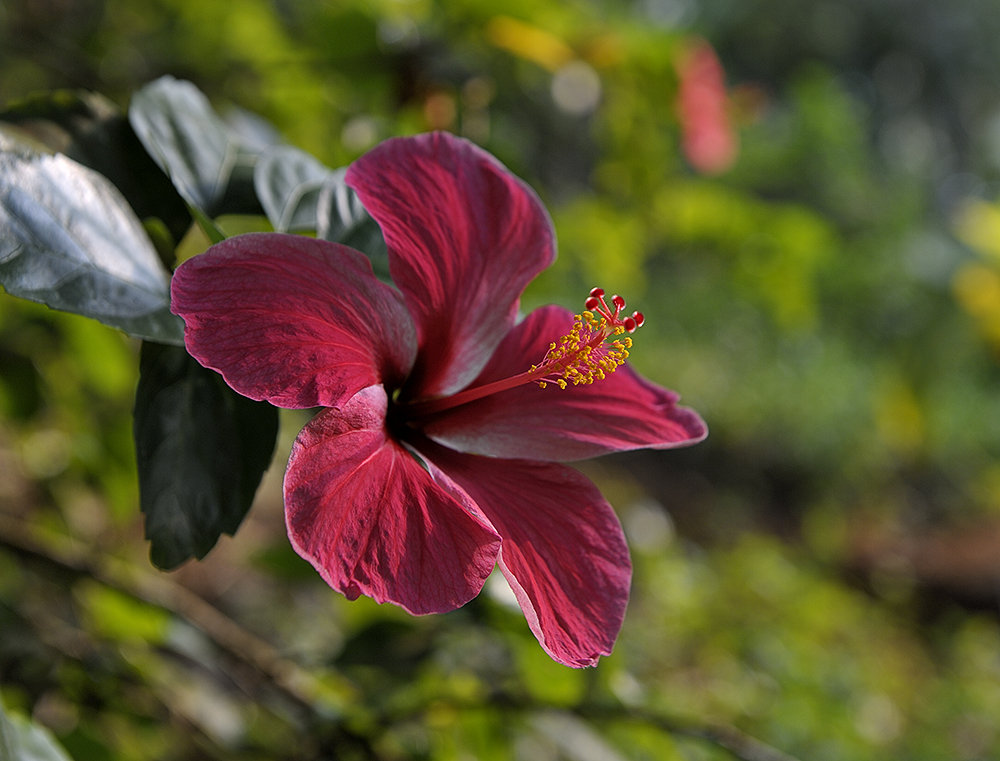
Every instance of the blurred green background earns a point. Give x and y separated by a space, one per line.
822 573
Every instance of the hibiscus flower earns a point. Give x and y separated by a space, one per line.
438 456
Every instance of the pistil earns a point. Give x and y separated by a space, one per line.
582 356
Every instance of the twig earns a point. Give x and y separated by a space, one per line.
739 743
743 746
165 593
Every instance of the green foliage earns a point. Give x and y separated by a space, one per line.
72 242
300 194
201 155
201 450
92 131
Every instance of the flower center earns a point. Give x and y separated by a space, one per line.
587 353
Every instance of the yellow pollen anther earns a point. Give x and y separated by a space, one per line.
591 350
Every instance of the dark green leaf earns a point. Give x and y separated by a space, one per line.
255 133
92 131
240 196
20 385
340 212
366 237
288 183
195 147
299 193
69 240
201 450
340 217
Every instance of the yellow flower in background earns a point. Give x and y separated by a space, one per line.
977 288
976 285
529 42
978 226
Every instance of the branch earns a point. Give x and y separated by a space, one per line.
163 592
743 746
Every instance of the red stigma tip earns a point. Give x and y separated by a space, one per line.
611 317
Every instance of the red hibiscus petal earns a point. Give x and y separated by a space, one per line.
563 552
293 320
465 237
622 412
372 521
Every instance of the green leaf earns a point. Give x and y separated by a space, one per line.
254 132
93 131
201 451
22 740
366 237
299 193
200 153
340 216
288 183
69 240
